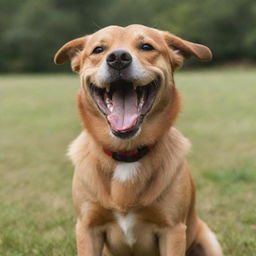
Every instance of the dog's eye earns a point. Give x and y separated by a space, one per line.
98 49
146 47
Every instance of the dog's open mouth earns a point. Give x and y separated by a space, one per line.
125 105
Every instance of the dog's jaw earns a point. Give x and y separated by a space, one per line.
124 105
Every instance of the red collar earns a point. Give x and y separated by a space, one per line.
129 156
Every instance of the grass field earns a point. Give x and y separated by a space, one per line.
38 120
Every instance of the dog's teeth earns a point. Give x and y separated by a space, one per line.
141 104
108 102
142 99
110 107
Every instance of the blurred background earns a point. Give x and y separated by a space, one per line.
38 117
32 30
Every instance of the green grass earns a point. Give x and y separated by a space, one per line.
38 120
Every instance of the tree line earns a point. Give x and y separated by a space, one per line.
32 30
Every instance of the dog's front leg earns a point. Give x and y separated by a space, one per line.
89 240
172 241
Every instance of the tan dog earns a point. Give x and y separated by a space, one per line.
132 189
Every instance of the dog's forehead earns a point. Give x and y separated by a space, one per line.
135 31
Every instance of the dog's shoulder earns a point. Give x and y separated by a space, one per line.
177 144
78 148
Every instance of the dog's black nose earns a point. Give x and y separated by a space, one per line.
119 59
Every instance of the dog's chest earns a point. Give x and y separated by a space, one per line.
130 227
125 190
130 234
127 224
125 171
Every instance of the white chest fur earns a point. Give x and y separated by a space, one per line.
126 223
125 171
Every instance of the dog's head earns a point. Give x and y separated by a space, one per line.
127 81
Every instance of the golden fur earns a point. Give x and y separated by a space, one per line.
161 195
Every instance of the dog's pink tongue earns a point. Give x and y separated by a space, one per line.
125 112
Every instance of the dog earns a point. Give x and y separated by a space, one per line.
132 189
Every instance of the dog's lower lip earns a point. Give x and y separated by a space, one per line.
124 105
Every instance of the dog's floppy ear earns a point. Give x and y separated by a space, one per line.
184 49
71 51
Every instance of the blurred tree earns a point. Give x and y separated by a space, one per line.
32 30
225 26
